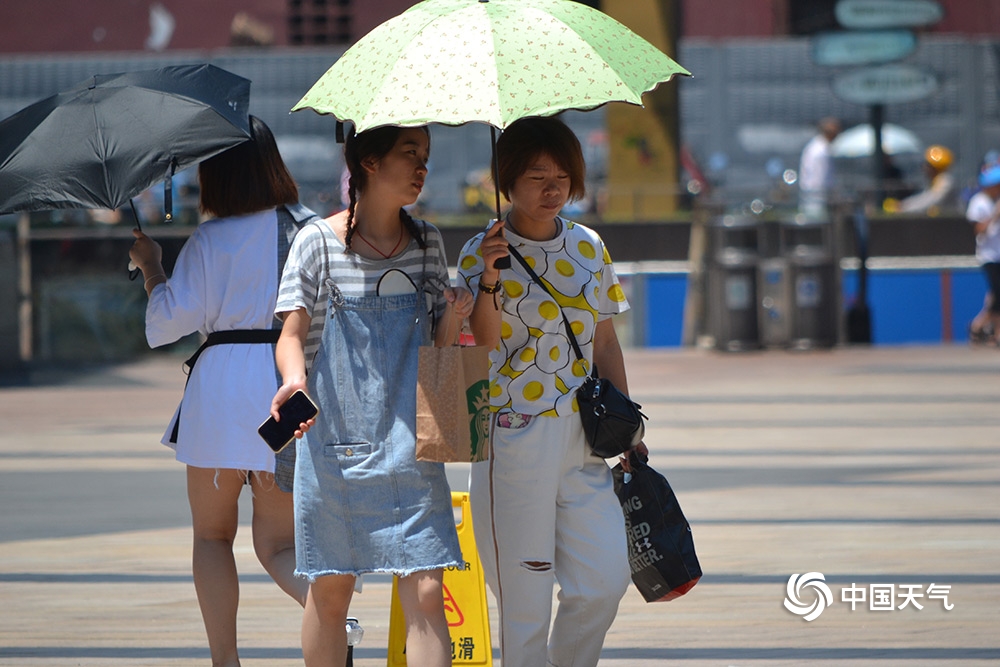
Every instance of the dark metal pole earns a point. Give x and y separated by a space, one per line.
502 262
133 270
859 325
25 316
877 115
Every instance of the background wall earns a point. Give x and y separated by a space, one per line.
52 26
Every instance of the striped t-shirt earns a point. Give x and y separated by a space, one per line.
303 282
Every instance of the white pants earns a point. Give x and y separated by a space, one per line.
544 511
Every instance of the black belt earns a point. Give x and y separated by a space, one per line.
236 336
233 337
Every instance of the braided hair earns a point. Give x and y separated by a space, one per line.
372 144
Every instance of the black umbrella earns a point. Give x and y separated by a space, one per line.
105 141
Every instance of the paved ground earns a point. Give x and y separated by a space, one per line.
876 467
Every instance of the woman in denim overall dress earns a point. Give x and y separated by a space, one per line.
354 296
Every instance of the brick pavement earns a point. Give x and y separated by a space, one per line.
877 467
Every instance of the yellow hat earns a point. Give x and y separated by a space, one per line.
939 157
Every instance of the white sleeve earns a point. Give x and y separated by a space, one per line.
299 286
176 308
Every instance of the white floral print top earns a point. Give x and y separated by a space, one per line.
534 370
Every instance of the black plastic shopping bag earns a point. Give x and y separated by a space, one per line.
660 545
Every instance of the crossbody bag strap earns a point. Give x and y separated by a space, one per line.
326 250
534 277
333 291
424 282
291 219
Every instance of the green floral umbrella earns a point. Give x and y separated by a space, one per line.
489 61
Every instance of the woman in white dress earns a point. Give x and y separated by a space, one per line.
224 285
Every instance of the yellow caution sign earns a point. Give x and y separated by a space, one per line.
464 604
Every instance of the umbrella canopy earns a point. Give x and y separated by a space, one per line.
113 136
859 141
489 61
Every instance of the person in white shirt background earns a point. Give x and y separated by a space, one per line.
941 191
816 170
225 281
984 213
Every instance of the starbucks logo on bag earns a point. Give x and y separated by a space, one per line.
478 398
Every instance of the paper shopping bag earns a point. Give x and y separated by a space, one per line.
453 404
660 545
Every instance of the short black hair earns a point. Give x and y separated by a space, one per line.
527 139
246 178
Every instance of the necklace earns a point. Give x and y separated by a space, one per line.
369 243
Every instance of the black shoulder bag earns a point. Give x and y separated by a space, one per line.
612 422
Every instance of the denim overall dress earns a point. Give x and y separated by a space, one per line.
363 503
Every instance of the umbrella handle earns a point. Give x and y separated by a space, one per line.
133 270
501 262
168 192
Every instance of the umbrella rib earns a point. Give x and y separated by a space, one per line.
100 147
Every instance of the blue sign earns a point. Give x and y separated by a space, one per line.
873 14
862 48
887 84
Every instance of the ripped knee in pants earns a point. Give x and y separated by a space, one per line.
536 565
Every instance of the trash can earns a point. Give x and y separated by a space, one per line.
732 278
811 283
774 314
773 291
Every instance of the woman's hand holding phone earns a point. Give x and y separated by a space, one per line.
284 391
281 397
294 415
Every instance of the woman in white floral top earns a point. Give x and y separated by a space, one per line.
543 506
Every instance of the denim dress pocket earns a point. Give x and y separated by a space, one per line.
349 454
